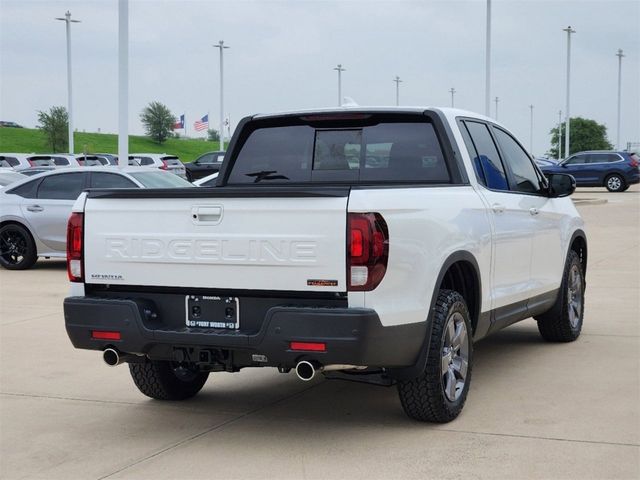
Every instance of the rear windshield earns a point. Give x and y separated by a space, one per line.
42 162
393 150
160 179
172 161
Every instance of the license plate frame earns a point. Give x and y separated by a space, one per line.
212 312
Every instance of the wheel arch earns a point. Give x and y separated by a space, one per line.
578 244
460 270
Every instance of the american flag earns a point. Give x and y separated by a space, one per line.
202 124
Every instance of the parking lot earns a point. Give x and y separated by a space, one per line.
535 410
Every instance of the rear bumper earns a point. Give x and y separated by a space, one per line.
352 336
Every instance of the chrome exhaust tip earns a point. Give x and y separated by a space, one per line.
305 370
111 357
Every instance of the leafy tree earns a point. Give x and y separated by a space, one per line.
213 135
586 134
158 121
55 125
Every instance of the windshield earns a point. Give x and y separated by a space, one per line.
160 180
9 177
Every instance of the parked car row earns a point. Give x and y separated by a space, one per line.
34 210
171 163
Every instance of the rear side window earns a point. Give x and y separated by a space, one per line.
26 190
603 158
110 180
144 160
487 159
66 186
387 151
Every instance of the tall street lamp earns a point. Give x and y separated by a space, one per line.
68 21
619 55
567 129
531 130
452 91
123 83
222 47
398 82
559 135
487 91
339 69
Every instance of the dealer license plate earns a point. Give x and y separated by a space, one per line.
205 311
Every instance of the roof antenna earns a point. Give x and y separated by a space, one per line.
349 102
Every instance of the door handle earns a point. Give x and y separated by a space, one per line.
498 208
534 211
206 215
35 208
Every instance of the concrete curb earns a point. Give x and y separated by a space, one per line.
589 201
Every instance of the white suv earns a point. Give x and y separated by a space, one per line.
170 163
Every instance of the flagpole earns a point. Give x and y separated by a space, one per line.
184 123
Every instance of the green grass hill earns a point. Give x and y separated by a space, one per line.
28 140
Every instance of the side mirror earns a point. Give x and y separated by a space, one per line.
560 184
563 165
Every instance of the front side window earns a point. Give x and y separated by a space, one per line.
206 159
488 158
66 186
525 175
576 160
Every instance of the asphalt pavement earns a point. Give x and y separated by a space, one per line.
535 410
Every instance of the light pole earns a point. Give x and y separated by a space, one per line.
68 21
496 100
339 69
222 47
619 55
452 91
531 130
398 82
123 83
567 128
487 91
559 135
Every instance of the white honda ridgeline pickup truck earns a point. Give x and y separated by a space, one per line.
372 244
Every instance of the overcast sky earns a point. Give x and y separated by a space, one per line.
283 53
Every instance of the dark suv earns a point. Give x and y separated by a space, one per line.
204 165
614 170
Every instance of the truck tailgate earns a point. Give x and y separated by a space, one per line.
292 243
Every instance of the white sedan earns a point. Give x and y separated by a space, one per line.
34 211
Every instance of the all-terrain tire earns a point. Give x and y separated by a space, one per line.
563 322
17 248
166 380
426 398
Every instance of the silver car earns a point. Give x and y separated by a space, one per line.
170 163
34 212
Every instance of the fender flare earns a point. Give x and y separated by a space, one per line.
579 233
407 373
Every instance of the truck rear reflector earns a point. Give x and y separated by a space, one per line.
308 346
368 247
102 335
74 247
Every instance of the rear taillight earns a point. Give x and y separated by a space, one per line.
31 162
368 249
75 265
634 161
164 165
